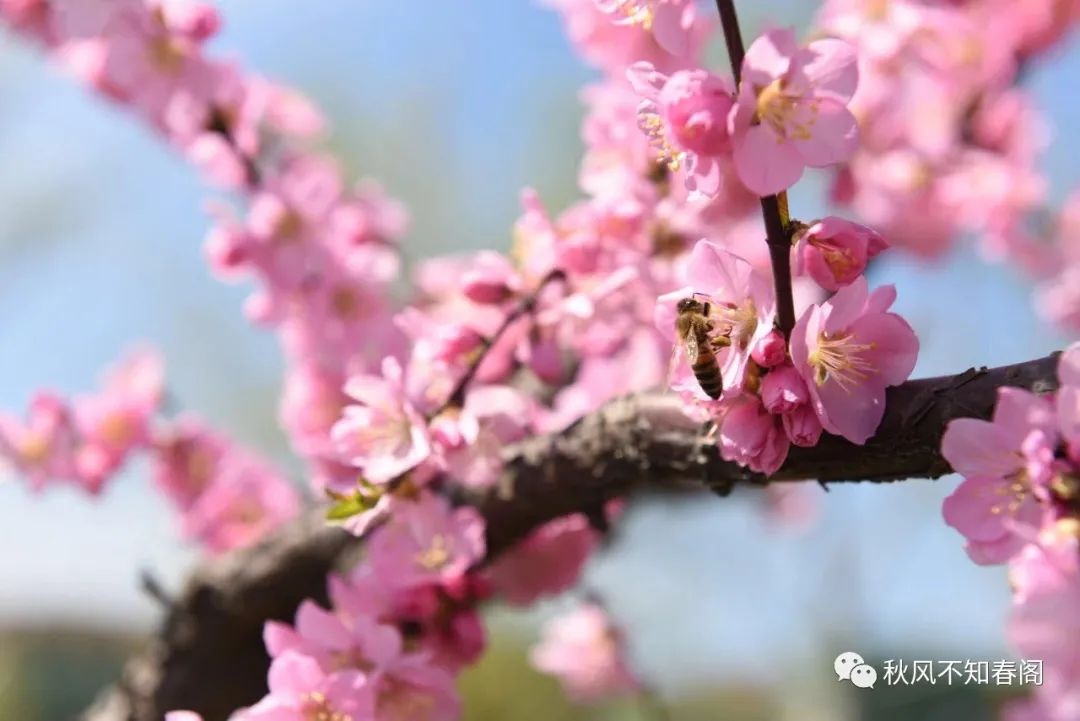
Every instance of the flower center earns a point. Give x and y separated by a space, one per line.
1012 495
653 126
737 323
34 449
840 359
316 707
387 433
634 12
783 112
841 261
436 555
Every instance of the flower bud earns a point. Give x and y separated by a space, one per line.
770 350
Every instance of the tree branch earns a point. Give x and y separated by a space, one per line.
209 655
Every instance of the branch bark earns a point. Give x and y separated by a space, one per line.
209 656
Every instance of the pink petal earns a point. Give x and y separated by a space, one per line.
292 673
321 626
975 447
969 508
668 30
665 312
895 346
764 164
1069 366
846 305
835 136
881 299
646 80
854 412
703 176
718 272
769 57
1068 413
834 69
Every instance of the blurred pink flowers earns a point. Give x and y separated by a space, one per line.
584 650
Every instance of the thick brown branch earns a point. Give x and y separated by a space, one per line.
209 654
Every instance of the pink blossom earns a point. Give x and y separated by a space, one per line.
186 458
246 500
312 402
491 279
685 119
545 563
384 436
993 448
427 541
849 350
751 436
770 350
416 689
669 21
802 426
493 417
997 516
783 390
1068 400
792 110
834 251
300 690
742 306
42 447
584 650
338 642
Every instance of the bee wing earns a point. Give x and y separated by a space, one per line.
687 347
691 347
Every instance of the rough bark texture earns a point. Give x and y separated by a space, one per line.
209 656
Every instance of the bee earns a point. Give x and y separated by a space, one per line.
693 326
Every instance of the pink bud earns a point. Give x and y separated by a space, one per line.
492 279
452 342
783 390
217 160
802 426
457 587
770 350
546 361
834 251
749 436
227 249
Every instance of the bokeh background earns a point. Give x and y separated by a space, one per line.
455 107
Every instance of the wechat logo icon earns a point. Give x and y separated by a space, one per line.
850 666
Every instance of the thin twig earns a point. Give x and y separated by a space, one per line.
525 306
773 207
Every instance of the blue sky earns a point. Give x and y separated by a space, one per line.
455 106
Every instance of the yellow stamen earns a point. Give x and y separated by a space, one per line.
841 360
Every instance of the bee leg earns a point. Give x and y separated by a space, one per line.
719 341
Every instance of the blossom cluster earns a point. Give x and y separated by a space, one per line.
397 408
226 496
1019 503
950 140
404 622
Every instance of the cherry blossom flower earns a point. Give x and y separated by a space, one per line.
751 436
300 690
584 650
546 562
848 351
742 307
792 110
685 119
245 500
384 436
834 251
42 447
427 541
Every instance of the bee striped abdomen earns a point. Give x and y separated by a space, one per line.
707 372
